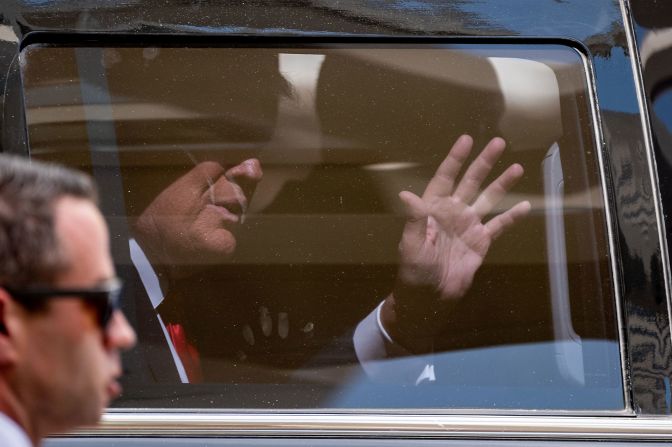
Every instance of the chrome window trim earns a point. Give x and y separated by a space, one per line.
600 147
299 424
635 63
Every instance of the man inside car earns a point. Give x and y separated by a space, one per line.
186 209
193 222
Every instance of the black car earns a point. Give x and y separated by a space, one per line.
257 301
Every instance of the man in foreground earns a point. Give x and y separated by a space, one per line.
61 330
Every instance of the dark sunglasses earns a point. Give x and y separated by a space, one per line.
104 298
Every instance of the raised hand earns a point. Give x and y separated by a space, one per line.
445 241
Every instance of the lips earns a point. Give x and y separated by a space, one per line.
231 208
228 199
226 213
234 206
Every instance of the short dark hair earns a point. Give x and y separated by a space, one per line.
29 249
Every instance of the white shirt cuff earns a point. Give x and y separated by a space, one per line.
384 360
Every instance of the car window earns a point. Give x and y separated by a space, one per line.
253 291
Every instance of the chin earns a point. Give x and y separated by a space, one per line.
86 416
217 249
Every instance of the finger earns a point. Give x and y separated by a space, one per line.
479 169
496 190
500 223
416 216
444 179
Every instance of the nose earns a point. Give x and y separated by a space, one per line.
246 175
119 334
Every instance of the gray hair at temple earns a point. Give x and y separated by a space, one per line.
29 249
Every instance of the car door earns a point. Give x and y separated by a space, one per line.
264 327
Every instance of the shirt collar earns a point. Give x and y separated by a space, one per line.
147 274
11 433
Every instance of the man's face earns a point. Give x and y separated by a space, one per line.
67 365
194 219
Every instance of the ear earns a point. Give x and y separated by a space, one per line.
7 313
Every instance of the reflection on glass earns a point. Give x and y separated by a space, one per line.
253 196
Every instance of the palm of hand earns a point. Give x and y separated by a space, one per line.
453 248
445 239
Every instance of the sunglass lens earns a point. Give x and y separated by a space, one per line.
110 305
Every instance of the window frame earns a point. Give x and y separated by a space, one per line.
102 41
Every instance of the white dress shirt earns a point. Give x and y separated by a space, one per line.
374 348
150 281
11 434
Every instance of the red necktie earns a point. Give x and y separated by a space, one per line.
186 351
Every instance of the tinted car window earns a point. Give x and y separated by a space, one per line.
261 307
